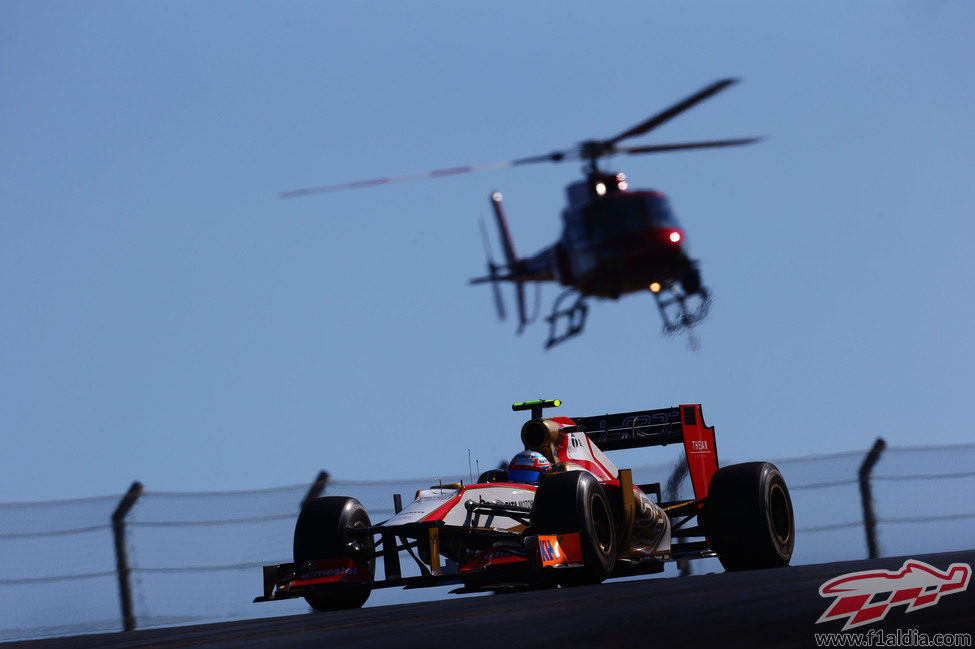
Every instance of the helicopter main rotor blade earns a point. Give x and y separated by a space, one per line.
673 111
589 150
555 156
436 173
680 146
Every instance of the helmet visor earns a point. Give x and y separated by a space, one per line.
523 475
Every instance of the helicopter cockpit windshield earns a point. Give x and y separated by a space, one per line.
628 213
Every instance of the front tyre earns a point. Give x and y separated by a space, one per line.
323 532
748 517
574 501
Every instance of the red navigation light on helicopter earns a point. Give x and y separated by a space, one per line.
674 236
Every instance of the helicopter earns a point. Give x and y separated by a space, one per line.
614 240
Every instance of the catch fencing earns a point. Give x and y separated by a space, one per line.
155 559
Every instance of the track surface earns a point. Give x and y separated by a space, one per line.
766 608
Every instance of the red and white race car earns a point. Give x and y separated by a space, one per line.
583 521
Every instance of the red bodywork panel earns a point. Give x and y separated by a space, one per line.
332 571
491 558
702 454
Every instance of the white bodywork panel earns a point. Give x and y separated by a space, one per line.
577 448
429 501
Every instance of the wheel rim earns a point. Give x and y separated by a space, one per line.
602 527
365 548
780 514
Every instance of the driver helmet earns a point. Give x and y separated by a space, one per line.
527 466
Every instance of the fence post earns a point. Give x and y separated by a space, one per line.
866 498
316 488
121 555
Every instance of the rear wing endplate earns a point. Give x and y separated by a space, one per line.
682 424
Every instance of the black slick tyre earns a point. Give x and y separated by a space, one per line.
748 517
574 501
322 532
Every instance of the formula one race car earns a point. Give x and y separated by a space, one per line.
582 521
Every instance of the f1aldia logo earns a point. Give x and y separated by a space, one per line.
867 596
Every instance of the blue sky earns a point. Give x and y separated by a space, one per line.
167 318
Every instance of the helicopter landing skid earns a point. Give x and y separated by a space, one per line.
574 317
680 310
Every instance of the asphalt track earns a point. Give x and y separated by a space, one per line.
765 608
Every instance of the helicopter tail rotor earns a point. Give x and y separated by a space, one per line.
511 268
492 273
510 255
507 242
522 319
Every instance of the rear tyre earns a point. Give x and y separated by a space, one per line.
748 517
574 501
322 532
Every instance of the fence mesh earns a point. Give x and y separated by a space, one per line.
57 568
922 498
196 557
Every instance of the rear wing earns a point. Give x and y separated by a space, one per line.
683 424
